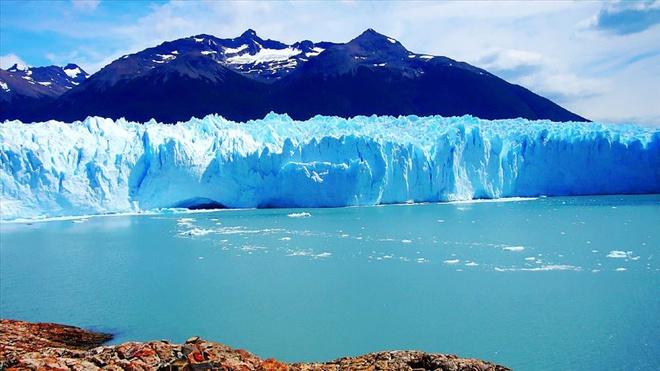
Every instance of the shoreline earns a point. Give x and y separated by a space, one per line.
37 346
183 211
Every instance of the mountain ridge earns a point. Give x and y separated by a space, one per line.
247 76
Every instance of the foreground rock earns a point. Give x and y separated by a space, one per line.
47 346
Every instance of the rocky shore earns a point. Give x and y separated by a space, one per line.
48 346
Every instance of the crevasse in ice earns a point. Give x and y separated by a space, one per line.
105 166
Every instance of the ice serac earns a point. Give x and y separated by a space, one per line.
104 166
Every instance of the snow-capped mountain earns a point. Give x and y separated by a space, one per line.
246 77
36 82
248 55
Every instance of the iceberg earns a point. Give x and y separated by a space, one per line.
99 165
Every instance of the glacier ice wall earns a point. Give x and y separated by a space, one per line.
105 166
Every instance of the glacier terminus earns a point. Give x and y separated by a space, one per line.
100 166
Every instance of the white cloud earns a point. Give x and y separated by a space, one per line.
86 5
510 62
511 59
564 87
8 60
631 96
541 75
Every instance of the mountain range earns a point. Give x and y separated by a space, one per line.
246 77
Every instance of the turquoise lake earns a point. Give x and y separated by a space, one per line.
567 283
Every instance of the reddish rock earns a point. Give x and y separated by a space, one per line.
47 346
273 365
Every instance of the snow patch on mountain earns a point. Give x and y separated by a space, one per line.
166 57
235 50
264 55
73 72
19 67
315 51
103 166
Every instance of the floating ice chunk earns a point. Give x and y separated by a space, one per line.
251 248
300 253
621 269
196 232
618 254
310 254
471 264
545 268
299 215
554 267
406 241
514 248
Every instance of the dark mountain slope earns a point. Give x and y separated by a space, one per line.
246 77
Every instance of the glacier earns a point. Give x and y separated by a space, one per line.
100 166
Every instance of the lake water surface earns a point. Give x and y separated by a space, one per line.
543 284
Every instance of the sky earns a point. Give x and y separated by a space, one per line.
600 60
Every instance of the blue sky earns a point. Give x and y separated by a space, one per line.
598 59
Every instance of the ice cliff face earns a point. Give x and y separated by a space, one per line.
105 166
